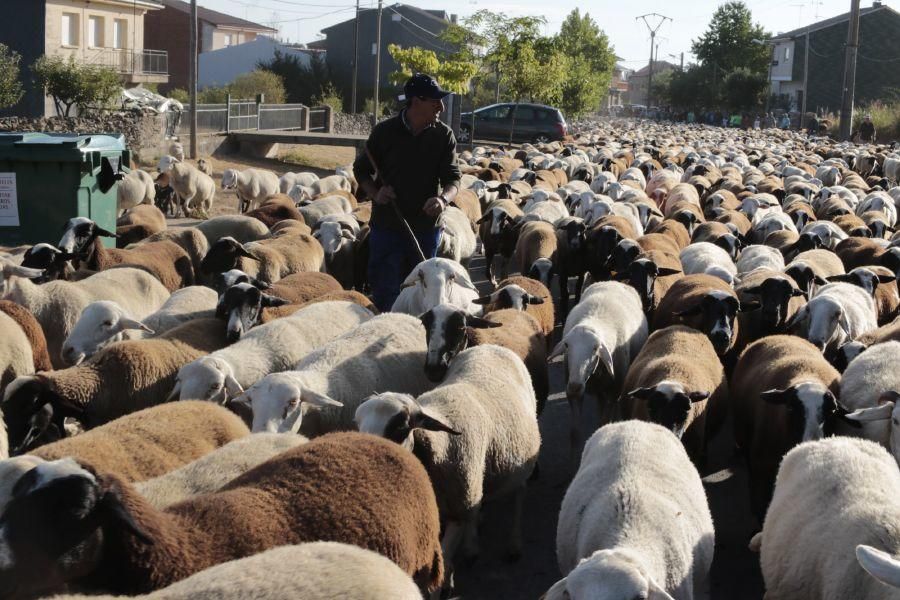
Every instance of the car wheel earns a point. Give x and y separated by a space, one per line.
463 135
541 138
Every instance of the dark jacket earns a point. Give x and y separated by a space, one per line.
417 166
867 131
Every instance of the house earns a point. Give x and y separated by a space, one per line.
638 80
618 87
97 32
808 63
220 67
401 24
170 29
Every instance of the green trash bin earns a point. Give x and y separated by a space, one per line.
46 179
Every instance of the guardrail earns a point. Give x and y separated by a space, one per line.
255 115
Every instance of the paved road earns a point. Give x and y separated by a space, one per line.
735 573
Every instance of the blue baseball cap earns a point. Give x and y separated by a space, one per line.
422 86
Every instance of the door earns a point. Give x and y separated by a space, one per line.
524 124
493 123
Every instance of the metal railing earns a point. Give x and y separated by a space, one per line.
138 62
318 118
282 116
254 115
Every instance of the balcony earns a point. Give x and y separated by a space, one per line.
136 66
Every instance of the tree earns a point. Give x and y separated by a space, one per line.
744 89
301 82
249 85
728 44
592 62
11 90
73 84
451 74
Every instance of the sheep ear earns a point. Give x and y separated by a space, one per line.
411 279
844 322
269 301
698 396
780 397
690 312
112 504
246 254
558 350
100 232
755 543
232 386
798 317
749 306
607 360
882 412
10 270
348 235
535 299
664 271
557 592
176 391
317 399
126 323
641 393
422 420
656 592
797 292
482 301
880 565
479 323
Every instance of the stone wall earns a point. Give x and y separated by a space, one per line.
358 124
144 133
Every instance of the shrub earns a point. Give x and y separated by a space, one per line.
249 85
300 81
180 94
73 84
10 87
329 96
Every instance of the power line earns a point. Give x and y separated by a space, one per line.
404 18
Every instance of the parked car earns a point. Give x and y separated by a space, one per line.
527 123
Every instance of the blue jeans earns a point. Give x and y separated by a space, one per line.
392 257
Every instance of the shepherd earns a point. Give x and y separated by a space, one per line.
409 169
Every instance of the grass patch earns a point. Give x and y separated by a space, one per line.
318 157
885 116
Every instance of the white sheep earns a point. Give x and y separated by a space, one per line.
135 187
833 517
385 353
105 321
829 234
457 240
880 201
436 281
476 434
269 348
287 181
770 223
16 359
706 257
252 186
758 256
325 185
315 210
606 329
192 185
634 522
838 313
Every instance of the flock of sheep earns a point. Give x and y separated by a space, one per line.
219 411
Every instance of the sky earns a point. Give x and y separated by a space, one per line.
302 20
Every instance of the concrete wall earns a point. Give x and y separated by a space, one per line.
220 67
783 71
133 15
169 29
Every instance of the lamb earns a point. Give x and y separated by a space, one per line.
121 379
314 210
37 342
57 304
435 281
240 227
251 185
165 260
276 208
705 303
212 471
602 335
192 185
267 260
476 434
536 251
204 166
287 181
312 571
782 394
386 353
838 313
704 257
635 520
449 330
105 321
328 489
269 348
134 188
522 293
759 257
802 554
676 380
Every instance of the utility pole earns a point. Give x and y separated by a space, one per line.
653 29
681 64
805 80
850 71
377 61
355 60
193 77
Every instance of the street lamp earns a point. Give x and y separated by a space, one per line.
771 60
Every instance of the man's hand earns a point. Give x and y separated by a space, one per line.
385 195
434 206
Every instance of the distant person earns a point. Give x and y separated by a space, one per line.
415 163
769 121
756 122
785 121
866 132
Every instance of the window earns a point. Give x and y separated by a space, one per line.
95 32
120 33
228 40
496 112
787 53
69 29
525 114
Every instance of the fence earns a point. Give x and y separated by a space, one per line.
254 115
138 62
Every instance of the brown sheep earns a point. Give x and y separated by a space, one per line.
676 380
769 299
290 227
675 230
275 208
535 252
852 225
165 260
277 312
704 303
523 293
138 223
736 218
298 288
467 201
862 252
346 487
190 239
363 213
33 332
153 441
266 260
344 194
